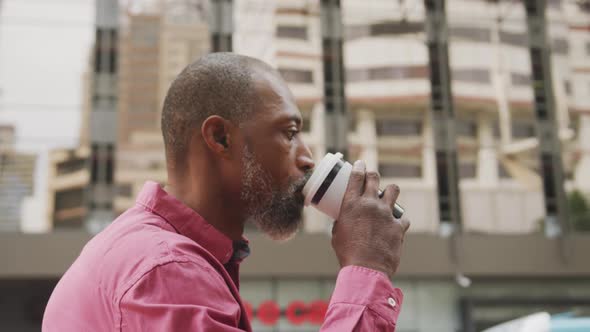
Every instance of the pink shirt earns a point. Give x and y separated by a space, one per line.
161 267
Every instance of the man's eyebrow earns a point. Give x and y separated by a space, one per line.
294 118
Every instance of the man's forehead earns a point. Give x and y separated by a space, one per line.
275 100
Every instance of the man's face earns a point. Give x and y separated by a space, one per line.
275 162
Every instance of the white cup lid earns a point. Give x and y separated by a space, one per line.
319 174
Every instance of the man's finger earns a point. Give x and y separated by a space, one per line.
391 194
372 184
357 179
405 225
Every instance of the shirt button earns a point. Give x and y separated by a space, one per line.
391 302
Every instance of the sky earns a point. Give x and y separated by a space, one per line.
44 49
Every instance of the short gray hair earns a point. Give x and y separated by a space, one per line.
216 84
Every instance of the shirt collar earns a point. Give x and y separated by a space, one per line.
189 223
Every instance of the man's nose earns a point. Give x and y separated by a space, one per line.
305 160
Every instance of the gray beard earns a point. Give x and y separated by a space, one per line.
276 213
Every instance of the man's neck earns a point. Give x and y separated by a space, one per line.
211 205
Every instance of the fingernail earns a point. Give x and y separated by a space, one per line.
358 165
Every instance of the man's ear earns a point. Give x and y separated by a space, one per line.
216 133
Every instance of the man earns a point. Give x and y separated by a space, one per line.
171 262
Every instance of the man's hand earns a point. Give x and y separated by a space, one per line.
366 233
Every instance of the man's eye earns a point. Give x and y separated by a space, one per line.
292 133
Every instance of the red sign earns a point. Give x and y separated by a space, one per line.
269 312
317 311
297 312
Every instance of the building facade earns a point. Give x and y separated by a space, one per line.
16 181
69 177
388 95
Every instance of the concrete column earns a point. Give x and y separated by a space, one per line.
336 129
315 221
551 167
500 82
368 139
318 123
442 109
428 155
487 161
582 171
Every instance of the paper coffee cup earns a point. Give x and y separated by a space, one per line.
326 187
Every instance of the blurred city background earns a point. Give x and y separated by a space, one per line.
478 109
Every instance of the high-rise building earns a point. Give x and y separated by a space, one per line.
102 118
80 180
155 46
16 180
388 96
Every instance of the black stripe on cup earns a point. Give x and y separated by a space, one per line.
327 182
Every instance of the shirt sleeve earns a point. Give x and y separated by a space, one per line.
363 300
179 296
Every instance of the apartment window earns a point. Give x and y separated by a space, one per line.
101 205
398 72
352 121
125 190
567 86
113 52
502 172
519 39
395 28
397 127
69 199
399 170
94 163
102 164
106 51
522 129
584 6
297 75
560 46
471 75
383 29
356 31
496 129
466 128
71 166
110 164
467 170
306 123
292 32
386 73
97 56
471 33
520 79
357 75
